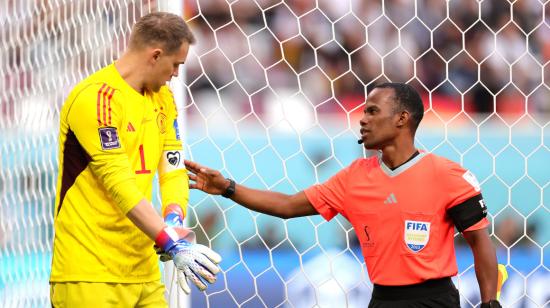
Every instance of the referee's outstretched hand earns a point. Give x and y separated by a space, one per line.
203 178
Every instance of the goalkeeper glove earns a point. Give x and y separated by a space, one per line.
173 217
197 262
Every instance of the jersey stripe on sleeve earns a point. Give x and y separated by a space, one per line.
109 104
98 103
105 105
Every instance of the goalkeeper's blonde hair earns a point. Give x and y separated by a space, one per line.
166 30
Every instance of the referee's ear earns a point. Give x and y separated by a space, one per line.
404 118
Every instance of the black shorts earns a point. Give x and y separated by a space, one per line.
431 293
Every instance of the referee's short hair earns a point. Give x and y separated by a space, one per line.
406 98
166 30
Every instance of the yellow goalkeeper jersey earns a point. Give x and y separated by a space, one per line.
112 141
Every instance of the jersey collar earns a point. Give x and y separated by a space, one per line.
402 168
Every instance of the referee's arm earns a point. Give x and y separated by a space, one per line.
485 261
469 217
263 201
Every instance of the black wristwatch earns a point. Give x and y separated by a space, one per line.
230 190
491 304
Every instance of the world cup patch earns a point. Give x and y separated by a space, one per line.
417 234
108 137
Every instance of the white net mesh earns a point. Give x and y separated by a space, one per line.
274 90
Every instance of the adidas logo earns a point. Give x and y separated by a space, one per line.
390 199
130 127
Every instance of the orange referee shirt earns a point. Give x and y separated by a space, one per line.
400 216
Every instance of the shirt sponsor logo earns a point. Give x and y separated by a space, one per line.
390 199
108 137
417 234
130 127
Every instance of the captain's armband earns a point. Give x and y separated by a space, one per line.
171 160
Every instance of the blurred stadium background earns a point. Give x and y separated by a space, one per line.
271 95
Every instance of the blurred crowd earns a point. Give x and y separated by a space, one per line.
487 55
477 56
47 46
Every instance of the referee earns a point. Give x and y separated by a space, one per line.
403 204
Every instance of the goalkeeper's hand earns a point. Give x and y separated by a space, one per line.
197 262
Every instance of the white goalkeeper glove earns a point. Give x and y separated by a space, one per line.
197 262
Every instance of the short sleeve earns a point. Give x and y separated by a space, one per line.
328 198
460 184
464 192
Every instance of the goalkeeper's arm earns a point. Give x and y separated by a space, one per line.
197 262
144 216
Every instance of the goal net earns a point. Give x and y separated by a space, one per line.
271 95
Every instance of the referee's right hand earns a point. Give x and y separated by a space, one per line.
208 180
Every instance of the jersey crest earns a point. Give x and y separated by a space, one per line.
417 234
161 122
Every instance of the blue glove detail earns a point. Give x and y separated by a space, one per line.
173 220
173 217
197 262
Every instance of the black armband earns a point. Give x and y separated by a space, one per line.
468 213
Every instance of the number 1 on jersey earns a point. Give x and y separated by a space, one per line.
142 158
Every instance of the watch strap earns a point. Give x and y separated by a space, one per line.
230 190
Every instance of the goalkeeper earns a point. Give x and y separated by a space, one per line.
118 128
403 205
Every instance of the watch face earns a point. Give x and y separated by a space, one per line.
230 190
491 304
